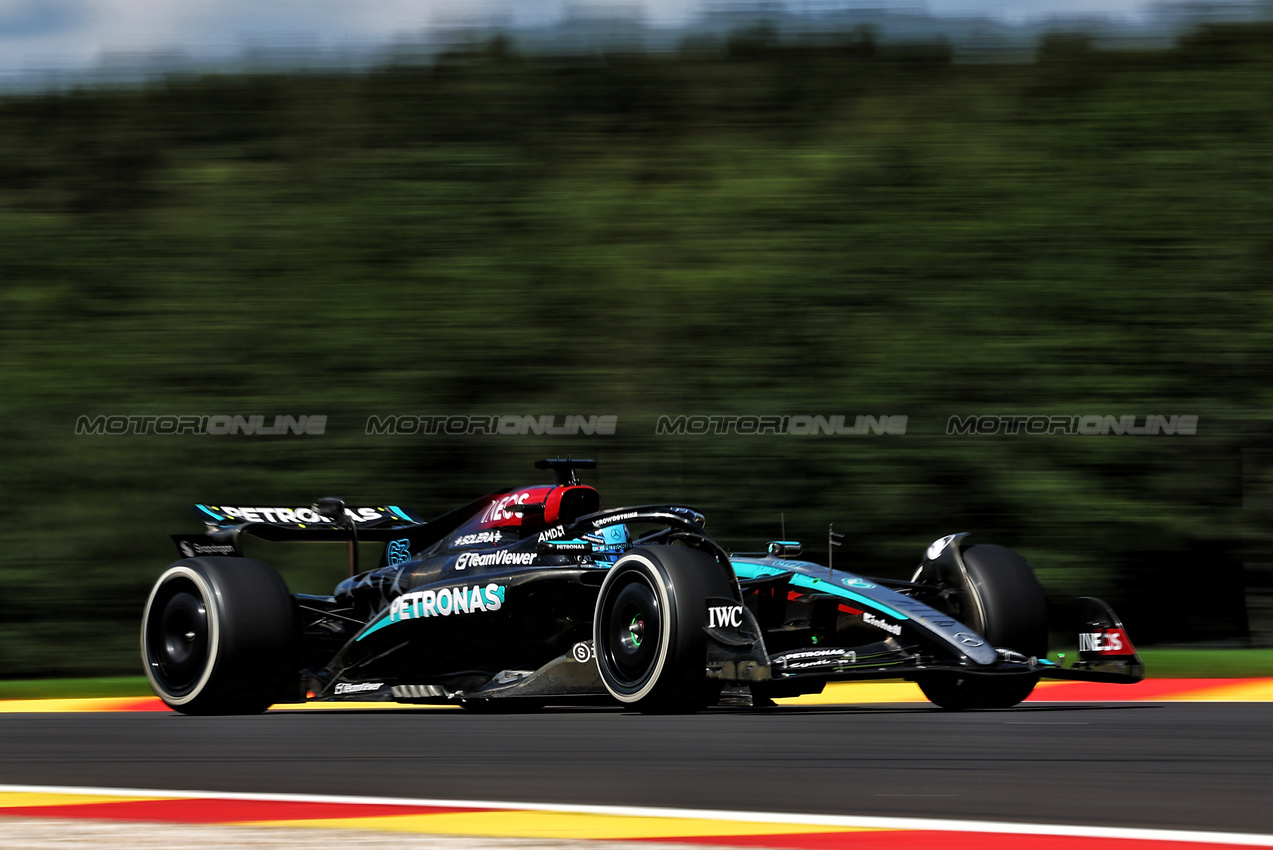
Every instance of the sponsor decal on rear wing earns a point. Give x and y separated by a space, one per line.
300 517
402 531
201 545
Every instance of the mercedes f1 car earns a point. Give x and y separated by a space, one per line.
537 595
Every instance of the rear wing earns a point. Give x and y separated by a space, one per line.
401 530
305 517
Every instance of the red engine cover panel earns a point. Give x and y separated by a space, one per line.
560 504
497 513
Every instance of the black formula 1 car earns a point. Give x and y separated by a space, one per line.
536 595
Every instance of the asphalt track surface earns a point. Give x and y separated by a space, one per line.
1159 765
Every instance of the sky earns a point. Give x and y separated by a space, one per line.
74 36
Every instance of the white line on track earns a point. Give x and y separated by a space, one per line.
849 821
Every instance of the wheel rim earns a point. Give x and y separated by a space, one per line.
631 632
178 637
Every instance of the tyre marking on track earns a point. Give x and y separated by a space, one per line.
766 829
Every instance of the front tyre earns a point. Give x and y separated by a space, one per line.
649 623
1001 599
1011 604
218 637
960 694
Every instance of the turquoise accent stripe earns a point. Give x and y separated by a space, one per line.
212 514
741 569
380 624
397 511
744 569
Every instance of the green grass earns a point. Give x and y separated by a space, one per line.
1159 664
1198 663
113 686
1207 663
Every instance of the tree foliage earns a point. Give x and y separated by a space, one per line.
836 229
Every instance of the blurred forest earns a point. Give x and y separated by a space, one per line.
758 228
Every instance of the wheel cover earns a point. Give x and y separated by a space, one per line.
180 633
632 631
179 644
634 627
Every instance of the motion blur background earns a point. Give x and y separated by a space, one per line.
748 210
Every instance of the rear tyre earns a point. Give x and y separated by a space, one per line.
218 637
1002 600
649 628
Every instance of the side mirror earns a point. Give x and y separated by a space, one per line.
785 548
